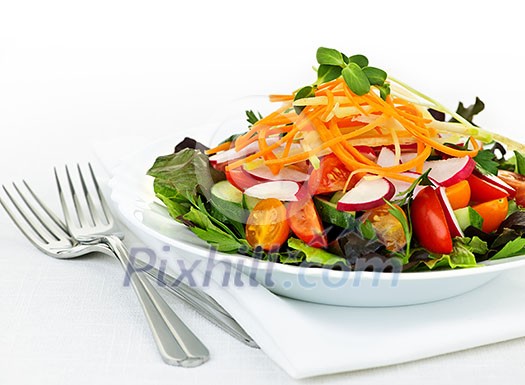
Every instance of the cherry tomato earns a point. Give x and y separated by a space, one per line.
388 229
483 191
429 222
267 226
305 222
458 194
517 181
240 178
493 213
330 177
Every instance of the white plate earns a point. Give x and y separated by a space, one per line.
132 194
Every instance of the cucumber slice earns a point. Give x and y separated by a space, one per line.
467 216
226 200
329 213
249 202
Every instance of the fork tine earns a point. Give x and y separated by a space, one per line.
105 207
34 235
61 225
67 215
76 202
45 224
87 196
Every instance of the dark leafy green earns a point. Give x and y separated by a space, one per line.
486 160
252 117
187 172
470 111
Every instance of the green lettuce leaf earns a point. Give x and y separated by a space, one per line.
462 255
315 255
511 249
186 172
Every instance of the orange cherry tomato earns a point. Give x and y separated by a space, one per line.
493 213
267 226
305 223
388 229
458 194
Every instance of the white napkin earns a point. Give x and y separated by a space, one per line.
308 339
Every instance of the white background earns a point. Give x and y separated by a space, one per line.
75 72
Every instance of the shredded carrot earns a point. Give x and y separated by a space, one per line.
329 106
221 147
341 121
280 98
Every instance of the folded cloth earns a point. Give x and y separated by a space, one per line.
307 339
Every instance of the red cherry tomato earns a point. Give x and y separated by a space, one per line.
493 213
429 222
517 181
330 177
483 191
305 222
240 178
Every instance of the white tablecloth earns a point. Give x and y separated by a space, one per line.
73 73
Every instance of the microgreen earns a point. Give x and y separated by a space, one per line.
356 72
356 79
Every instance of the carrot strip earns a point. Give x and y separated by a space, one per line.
281 98
221 147
329 105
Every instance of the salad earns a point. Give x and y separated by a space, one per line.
358 171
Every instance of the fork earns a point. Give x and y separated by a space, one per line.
47 232
94 224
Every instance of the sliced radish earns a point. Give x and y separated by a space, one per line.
408 156
232 154
498 182
401 186
450 171
366 194
367 151
386 158
283 190
452 222
287 173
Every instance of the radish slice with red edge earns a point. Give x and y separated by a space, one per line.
450 171
232 154
264 173
367 151
386 158
366 194
452 222
401 186
284 190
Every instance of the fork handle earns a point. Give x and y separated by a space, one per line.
176 342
